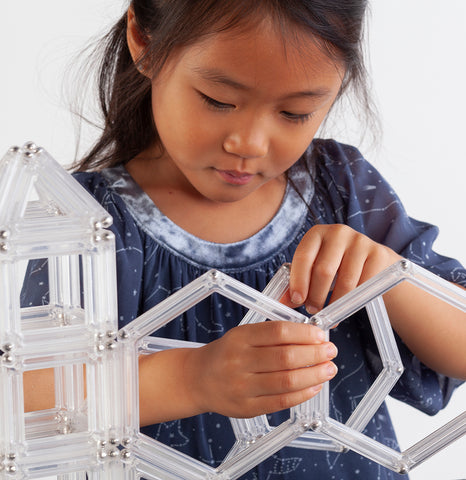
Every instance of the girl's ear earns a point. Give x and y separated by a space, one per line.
136 42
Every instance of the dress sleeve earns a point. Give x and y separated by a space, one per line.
367 203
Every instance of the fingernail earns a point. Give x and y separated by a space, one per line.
311 309
332 370
317 388
332 351
296 298
320 335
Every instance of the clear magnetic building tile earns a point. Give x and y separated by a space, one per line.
93 429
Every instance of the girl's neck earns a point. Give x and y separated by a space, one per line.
219 222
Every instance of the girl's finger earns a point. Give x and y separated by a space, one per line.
323 273
274 403
276 383
291 357
351 269
379 259
272 333
301 265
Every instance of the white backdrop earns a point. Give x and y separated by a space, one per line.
418 53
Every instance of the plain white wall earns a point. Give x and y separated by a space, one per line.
418 54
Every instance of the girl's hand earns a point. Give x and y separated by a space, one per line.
333 255
259 368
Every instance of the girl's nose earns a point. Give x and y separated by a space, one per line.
247 142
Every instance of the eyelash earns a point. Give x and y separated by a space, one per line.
214 104
297 117
220 106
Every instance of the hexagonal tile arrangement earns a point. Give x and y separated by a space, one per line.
160 457
248 430
366 294
97 433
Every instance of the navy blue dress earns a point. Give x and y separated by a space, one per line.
331 183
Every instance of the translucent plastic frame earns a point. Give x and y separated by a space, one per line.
256 440
97 433
73 331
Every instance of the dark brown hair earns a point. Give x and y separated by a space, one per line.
125 94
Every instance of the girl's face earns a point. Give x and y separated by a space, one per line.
238 109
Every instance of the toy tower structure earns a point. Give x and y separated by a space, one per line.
47 217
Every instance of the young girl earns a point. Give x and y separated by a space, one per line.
208 160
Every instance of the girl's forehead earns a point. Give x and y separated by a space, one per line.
263 49
282 36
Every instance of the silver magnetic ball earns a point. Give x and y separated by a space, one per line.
8 359
214 274
4 234
3 247
315 425
30 146
123 335
403 469
11 468
106 222
126 442
14 149
404 264
316 321
125 454
8 347
114 453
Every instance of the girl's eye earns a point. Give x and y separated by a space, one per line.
297 117
215 104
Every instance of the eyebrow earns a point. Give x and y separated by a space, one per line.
218 77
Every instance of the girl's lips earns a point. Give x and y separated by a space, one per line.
235 178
